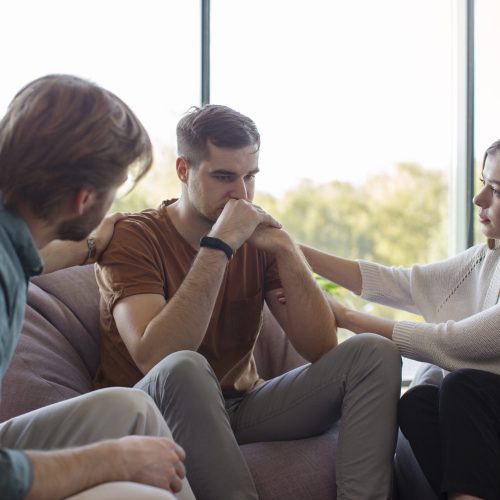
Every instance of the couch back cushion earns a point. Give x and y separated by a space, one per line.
58 350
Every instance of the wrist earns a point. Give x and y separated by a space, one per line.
217 244
282 246
346 318
228 238
119 469
91 246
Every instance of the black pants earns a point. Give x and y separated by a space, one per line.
454 432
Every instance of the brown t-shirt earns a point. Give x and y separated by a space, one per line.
148 255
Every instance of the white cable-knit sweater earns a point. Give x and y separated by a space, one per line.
458 299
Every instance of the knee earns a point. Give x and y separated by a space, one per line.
379 352
375 358
184 370
412 406
185 364
457 384
459 378
132 404
123 400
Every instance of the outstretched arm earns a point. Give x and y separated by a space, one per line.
59 254
359 322
306 317
148 460
344 272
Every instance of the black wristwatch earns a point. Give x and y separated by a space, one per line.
209 242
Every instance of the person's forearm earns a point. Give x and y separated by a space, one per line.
62 473
183 321
60 254
358 322
344 272
310 323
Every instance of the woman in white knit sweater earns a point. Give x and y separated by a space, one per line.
454 429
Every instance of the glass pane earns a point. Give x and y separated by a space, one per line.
354 104
148 53
487 85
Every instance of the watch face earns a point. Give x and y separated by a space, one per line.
91 245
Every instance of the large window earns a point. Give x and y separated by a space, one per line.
487 84
354 104
355 101
145 52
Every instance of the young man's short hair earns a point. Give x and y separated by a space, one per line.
219 125
61 133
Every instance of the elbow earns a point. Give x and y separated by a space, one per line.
143 358
326 347
319 349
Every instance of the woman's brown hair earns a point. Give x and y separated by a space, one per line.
61 133
493 149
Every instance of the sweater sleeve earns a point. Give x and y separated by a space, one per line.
468 343
421 289
389 286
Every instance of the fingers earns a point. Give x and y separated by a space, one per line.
265 218
271 221
180 452
175 485
177 477
179 472
280 295
116 216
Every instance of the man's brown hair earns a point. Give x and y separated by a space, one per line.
62 133
221 126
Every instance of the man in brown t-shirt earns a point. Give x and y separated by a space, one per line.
183 288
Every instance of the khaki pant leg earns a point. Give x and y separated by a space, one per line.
123 491
104 414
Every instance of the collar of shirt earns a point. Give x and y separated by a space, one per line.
22 241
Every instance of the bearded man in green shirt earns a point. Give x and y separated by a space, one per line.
66 145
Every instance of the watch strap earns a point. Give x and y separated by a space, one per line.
218 244
92 250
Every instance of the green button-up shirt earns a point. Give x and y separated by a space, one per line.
19 260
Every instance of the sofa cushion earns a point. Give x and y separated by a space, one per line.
59 346
301 469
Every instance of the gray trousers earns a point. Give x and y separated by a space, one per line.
358 382
103 414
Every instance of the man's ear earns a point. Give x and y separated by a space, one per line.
83 199
182 168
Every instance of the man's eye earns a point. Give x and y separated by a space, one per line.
481 180
250 177
224 178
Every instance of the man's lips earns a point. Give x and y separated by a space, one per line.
483 219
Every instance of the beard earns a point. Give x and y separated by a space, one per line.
79 227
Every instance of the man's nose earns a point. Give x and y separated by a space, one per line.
239 190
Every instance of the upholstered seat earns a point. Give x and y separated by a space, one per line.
58 353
